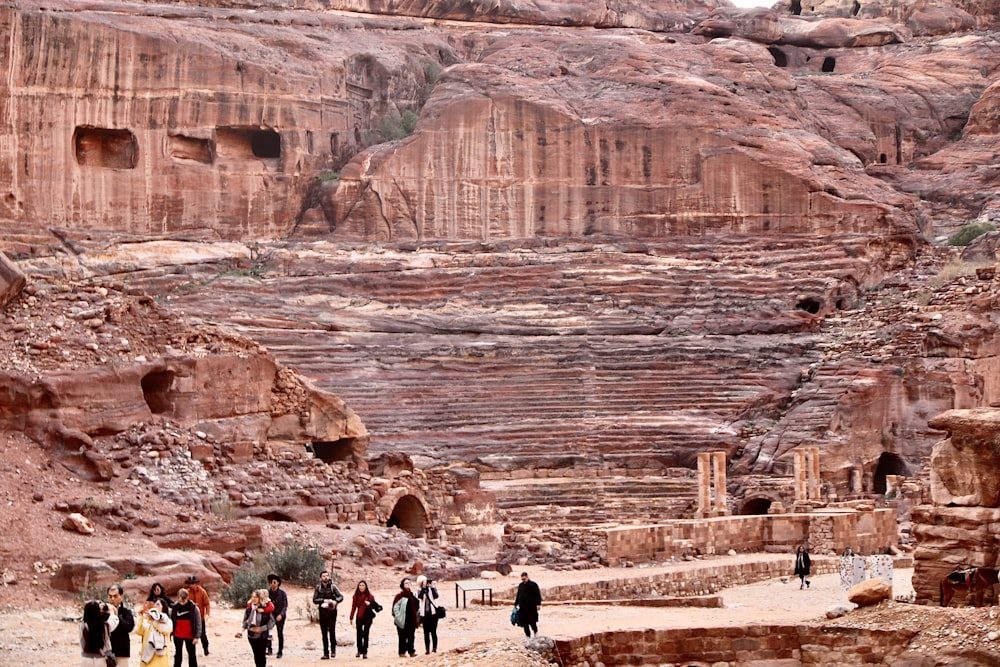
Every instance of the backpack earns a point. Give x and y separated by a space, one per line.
399 612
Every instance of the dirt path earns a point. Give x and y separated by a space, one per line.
47 637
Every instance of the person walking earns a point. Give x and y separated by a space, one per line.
258 620
404 615
280 600
327 596
98 622
802 566
200 597
427 593
120 641
364 607
187 628
154 628
527 602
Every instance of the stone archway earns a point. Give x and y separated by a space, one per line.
410 515
888 464
759 505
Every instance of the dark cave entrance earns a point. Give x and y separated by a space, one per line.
888 464
156 390
809 305
756 506
409 515
329 451
780 59
796 7
829 64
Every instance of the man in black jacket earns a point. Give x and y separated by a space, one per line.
126 623
527 602
327 596
280 600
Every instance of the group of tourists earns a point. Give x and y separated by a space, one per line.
106 628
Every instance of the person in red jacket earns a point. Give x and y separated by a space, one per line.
364 606
200 597
187 627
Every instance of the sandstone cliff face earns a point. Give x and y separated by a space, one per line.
647 127
958 530
527 155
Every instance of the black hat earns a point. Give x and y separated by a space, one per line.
273 577
191 580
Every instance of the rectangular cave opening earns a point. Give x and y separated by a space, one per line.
183 148
248 142
104 147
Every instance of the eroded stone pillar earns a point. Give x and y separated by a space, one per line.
814 479
704 483
712 499
799 473
719 465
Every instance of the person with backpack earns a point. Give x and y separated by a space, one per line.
404 615
327 596
258 621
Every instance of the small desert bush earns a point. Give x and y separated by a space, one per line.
246 580
293 562
969 233
396 126
296 563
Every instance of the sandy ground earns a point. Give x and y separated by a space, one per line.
47 637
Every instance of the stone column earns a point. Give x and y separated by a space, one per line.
719 465
704 484
799 472
814 479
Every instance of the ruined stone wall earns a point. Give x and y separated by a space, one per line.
824 532
710 579
730 647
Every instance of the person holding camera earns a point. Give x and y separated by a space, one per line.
327 596
258 620
154 629
95 628
428 612
364 606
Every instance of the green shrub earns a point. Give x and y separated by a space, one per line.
969 233
295 562
246 580
395 126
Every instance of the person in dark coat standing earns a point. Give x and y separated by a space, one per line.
802 567
120 643
527 602
327 596
404 615
280 600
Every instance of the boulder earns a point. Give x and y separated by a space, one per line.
79 523
963 465
869 592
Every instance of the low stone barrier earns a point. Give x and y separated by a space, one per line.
772 645
683 582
